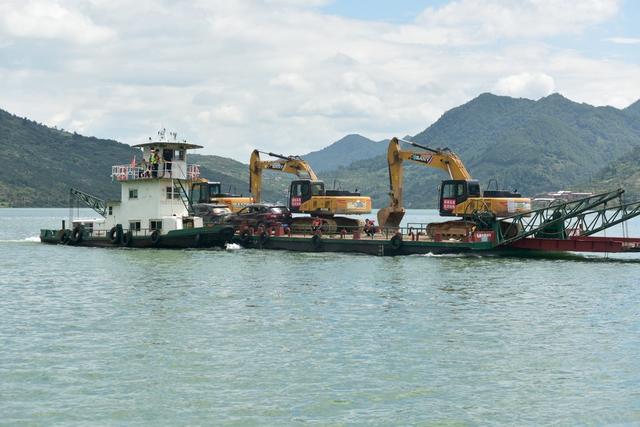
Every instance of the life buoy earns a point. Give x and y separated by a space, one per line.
76 235
127 238
155 237
114 235
316 241
396 241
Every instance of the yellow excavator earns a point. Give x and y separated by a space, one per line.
204 193
308 194
459 196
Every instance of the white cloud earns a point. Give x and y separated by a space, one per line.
290 81
282 76
49 20
624 40
525 85
473 21
224 114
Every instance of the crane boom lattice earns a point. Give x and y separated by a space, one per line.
550 221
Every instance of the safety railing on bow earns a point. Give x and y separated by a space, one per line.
163 170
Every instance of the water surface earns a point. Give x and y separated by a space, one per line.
249 337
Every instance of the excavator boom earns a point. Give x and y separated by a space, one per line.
287 164
446 160
460 196
308 194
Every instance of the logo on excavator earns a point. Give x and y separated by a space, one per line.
358 204
422 157
276 166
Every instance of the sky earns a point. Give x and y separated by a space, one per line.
293 76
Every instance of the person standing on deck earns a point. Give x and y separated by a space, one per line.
154 160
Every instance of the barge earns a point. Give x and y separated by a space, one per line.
564 227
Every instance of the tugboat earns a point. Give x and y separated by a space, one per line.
154 209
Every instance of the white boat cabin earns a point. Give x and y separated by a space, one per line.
154 186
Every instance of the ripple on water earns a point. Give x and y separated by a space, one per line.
94 336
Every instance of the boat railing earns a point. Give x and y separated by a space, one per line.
412 232
164 170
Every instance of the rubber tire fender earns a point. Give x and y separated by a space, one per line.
155 237
396 242
316 241
114 236
127 238
63 236
227 234
76 235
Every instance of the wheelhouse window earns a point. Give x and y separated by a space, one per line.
133 193
134 225
172 193
155 224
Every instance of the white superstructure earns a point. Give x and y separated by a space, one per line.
153 190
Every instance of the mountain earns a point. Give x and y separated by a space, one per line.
40 164
531 146
343 152
634 109
623 172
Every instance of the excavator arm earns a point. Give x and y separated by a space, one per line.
287 164
441 159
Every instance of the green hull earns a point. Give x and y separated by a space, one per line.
364 246
204 237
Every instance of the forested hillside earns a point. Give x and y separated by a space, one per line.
531 146
344 152
40 164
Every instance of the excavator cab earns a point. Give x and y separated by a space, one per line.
456 191
202 192
303 190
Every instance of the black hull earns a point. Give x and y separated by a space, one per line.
206 237
364 246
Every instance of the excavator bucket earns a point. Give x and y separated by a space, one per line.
389 217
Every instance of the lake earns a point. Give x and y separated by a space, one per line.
249 337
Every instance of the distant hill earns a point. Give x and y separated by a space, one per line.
634 109
531 146
344 152
623 172
40 164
